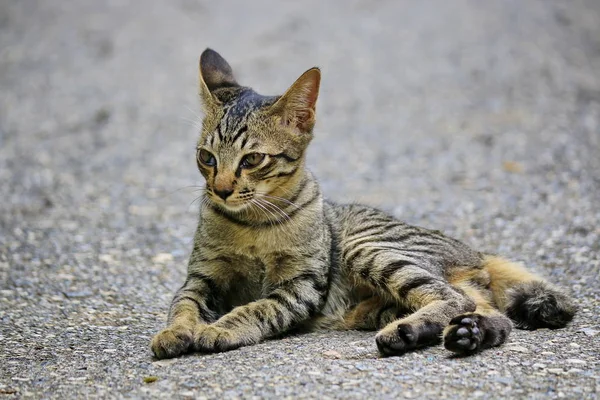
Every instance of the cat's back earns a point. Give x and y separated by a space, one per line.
361 232
353 220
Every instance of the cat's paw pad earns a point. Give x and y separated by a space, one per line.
172 342
396 341
464 334
213 339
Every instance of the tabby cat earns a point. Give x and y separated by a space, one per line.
271 255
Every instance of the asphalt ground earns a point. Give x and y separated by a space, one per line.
481 119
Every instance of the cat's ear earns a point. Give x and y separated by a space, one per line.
296 108
215 73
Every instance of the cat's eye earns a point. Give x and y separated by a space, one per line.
206 158
252 160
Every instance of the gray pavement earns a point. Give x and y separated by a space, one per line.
480 118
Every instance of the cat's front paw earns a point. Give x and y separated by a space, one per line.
399 337
213 339
172 342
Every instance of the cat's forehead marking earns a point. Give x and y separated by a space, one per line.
246 101
233 126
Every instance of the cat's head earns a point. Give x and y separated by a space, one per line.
252 146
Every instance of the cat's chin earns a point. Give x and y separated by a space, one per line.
232 208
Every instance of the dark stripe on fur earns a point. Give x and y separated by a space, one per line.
210 283
244 141
282 174
266 169
414 283
285 157
366 228
281 300
391 268
303 205
301 187
334 258
306 276
239 133
204 314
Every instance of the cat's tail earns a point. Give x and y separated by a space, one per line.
527 299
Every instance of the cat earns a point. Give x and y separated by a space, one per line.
271 255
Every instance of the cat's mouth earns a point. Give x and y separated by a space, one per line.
233 205
260 205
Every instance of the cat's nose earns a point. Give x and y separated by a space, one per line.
224 194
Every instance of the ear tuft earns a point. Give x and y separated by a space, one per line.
298 105
215 72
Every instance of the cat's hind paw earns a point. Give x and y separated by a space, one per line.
398 338
464 335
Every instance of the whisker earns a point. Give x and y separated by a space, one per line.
270 211
195 200
253 209
263 209
275 208
204 201
266 201
196 114
194 123
280 199
277 220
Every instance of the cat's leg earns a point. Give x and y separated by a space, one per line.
291 301
190 311
485 327
434 301
372 313
406 264
527 299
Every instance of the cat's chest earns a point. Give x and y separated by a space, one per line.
247 269
248 278
250 262
244 280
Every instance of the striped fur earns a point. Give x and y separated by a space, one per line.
271 255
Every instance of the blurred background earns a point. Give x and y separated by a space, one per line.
478 118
